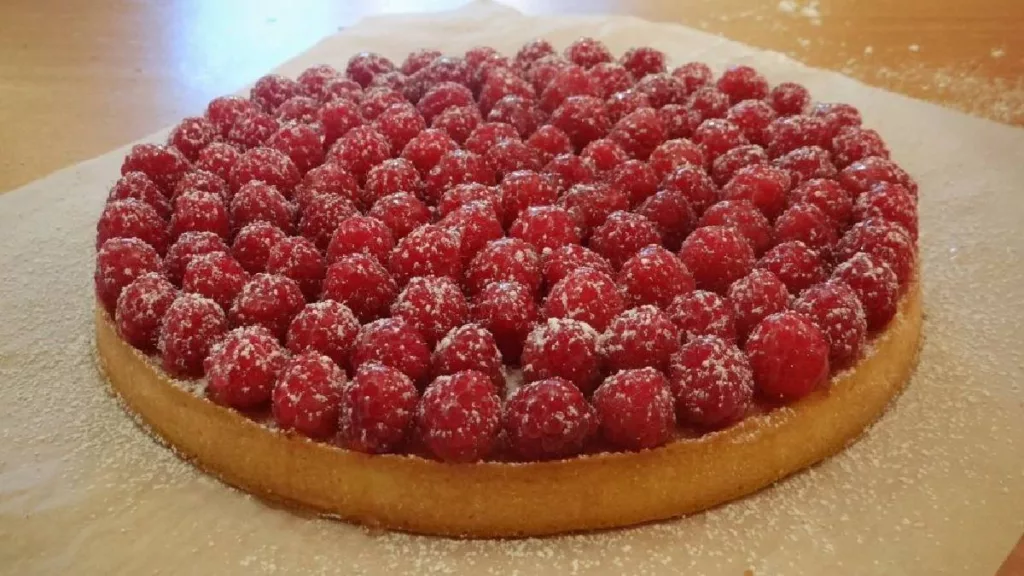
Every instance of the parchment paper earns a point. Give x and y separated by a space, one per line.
936 487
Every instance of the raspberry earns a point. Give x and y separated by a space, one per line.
568 82
587 52
442 97
885 240
542 72
359 150
523 189
307 395
426 149
390 177
638 338
754 297
377 410
788 133
639 132
314 80
532 51
545 228
752 117
565 349
725 166
661 89
486 136
361 235
198 211
362 284
341 88
218 158
508 311
567 170
764 186
548 419
189 328
458 196
609 78
582 118
852 144
329 178
744 217
272 90
242 367
297 258
252 130
789 99
585 294
712 383
224 111
863 175
140 308
502 83
469 347
743 83
549 142
322 216
432 305
709 102
621 104
454 168
837 312
215 275
259 202
327 328
401 212
427 251
807 163
672 154
828 196
252 245
890 202
132 219
419 59
394 343
788 355
440 70
203 181
643 61
510 156
386 89
561 261
399 124
504 260
164 165
671 212
192 135
591 204
717 256
655 276
875 285
635 178
298 110
604 154
678 120
302 143
795 264
459 417
836 116
622 235
701 313
457 124
269 300
518 112
635 409
266 164
693 75
695 185
717 136
337 118
808 224
476 225
362 67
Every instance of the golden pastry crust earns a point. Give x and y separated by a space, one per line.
497 499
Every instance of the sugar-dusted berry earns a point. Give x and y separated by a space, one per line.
890 202
427 251
297 258
638 338
808 224
401 213
507 310
269 300
789 98
669 210
261 202
752 117
189 328
361 235
883 239
558 263
835 309
322 216
797 265
192 135
362 67
432 305
875 285
712 383
376 410
164 165
788 355
215 275
132 219
694 184
548 419
764 186
591 204
702 313
307 395
585 294
745 218
327 328
636 178
828 196
639 132
674 153
242 368
754 297
141 307
268 165
252 245
717 256
218 158
362 284
199 211
655 276
545 228
504 260
469 347
622 235
223 111
636 409
393 342
391 177
459 417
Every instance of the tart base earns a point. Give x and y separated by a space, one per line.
498 499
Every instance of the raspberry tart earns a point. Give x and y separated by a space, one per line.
487 296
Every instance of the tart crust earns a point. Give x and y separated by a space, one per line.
498 499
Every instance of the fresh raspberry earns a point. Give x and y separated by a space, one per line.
568 170
419 59
885 240
387 89
458 196
561 261
643 61
585 294
427 149
394 343
486 136
266 164
328 178
853 143
745 218
141 307
314 79
327 328
545 228
215 275
302 143
808 224
605 154
502 83
203 181
260 202
459 417
307 395
609 78
218 158
717 136
788 355
402 213
837 312
252 245
322 216
361 235
568 82
390 177
362 284
272 90
890 202
709 102
875 285
242 368
469 347
836 116
638 338
789 99
476 225
678 120
297 258
717 256
625 102
754 297
224 111
441 69
712 383
198 211
828 196
119 262
636 178
432 305
549 142
639 132
548 419
671 212
636 409
795 264
504 260
655 276
269 300
863 175
532 51
788 133
359 150
582 118
454 168
376 410
701 313
672 154
341 89
189 328
507 310
164 165
661 89
542 72
192 135
622 235
743 83
252 130
523 189
725 166
695 185
587 52
807 163
427 251
337 118
518 112
362 67
693 75
399 124
510 156
442 97
752 117
565 349
764 186
132 219
298 110
591 204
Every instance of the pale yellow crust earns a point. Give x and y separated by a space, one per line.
531 499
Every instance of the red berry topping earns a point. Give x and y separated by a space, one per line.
789 98
836 116
828 196
639 132
609 78
712 383
307 395
622 235
454 168
302 143
359 150
442 97
504 260
141 307
426 149
542 72
224 111
440 70
764 186
341 89
476 225
743 83
457 124
522 189
745 218
693 75
198 211
322 216
463 194
545 228
393 342
269 300
469 347
314 79
361 235
203 181
795 264
399 123
865 174
189 328
548 419
218 158
427 251
377 409
890 202
297 258
252 245
132 219
788 133
567 170
808 224
636 179
549 142
807 163
655 276
432 305
508 311
518 112
532 51
643 61
875 285
717 256
837 312
709 102
679 120
390 177
752 117
671 212
363 66
885 240
591 204
260 202
636 409
509 156
163 164
587 52
754 297
268 165
662 89
585 294
674 153
853 143
565 349
604 154
701 313
638 338
329 178
242 368
788 355
582 118
459 417
337 118
362 284
272 90
401 212
298 110
560 262
327 328
717 136
419 59
695 185
486 136
621 104
215 275
252 130
192 135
